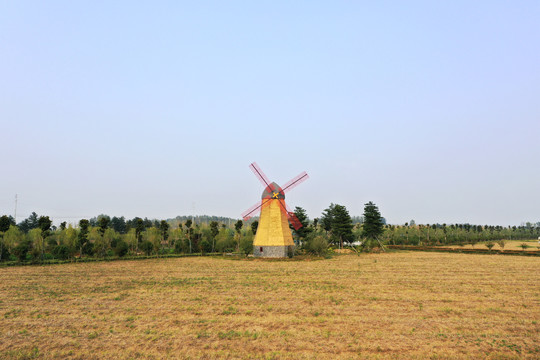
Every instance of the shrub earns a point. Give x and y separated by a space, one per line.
88 249
147 247
524 246
206 246
121 248
179 247
4 253
489 245
246 244
317 245
501 243
52 243
61 252
22 249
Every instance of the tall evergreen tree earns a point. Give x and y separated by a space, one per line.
305 230
139 228
119 224
44 223
30 223
84 224
342 225
103 223
214 231
189 233
373 223
164 229
327 218
5 223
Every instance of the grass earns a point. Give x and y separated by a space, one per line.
394 305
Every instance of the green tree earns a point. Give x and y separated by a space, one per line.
84 224
305 230
164 229
38 245
342 225
69 239
22 249
103 223
206 244
177 237
225 240
214 231
30 223
60 252
13 237
100 245
327 218
121 248
373 224
131 239
153 235
246 243
254 226
189 234
147 247
44 224
119 224
238 227
5 223
139 228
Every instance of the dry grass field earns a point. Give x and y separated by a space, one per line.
390 305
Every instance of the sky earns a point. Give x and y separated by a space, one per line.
430 109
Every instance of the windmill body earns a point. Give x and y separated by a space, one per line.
274 237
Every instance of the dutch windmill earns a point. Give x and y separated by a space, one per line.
274 238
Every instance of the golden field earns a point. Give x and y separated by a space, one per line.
391 305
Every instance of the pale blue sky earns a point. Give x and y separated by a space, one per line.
431 109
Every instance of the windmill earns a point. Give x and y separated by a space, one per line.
274 238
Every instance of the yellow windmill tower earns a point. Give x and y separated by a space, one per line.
273 237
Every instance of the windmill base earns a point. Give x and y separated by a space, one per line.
273 251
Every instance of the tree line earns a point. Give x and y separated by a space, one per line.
336 228
35 238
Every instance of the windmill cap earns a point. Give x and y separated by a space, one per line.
273 191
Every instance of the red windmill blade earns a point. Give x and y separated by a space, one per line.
249 213
293 219
259 174
294 182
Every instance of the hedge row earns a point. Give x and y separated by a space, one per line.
466 251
